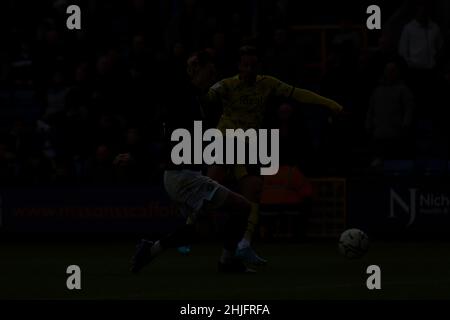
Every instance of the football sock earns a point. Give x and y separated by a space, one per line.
234 230
156 248
227 255
244 243
253 219
181 237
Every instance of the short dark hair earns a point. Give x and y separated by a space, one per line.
203 57
248 51
199 59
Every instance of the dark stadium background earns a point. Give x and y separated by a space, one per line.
71 101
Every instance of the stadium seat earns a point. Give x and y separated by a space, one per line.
281 202
398 167
433 166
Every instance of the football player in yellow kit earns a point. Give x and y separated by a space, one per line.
244 99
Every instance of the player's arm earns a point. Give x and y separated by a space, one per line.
309 97
304 96
211 100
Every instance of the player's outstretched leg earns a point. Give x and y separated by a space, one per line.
186 249
147 251
250 187
244 250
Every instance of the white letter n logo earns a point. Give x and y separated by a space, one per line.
409 209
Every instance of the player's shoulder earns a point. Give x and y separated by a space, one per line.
225 83
267 79
268 82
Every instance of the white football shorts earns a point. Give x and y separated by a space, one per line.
194 191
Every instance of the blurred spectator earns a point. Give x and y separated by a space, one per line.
140 58
290 146
56 95
108 88
8 167
80 93
22 64
282 60
296 139
371 68
107 130
373 60
112 83
188 26
63 171
347 41
340 80
51 54
389 119
36 169
420 45
177 64
100 169
135 164
276 13
421 41
223 55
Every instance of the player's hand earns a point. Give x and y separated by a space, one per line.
337 109
339 115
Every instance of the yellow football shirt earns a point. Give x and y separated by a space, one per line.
244 105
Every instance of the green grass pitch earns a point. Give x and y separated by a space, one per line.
295 271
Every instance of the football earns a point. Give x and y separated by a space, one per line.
353 243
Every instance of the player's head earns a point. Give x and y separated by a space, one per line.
280 37
422 11
248 64
201 69
391 72
285 112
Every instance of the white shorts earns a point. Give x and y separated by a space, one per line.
190 189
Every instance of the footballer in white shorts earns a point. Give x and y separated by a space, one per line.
193 191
